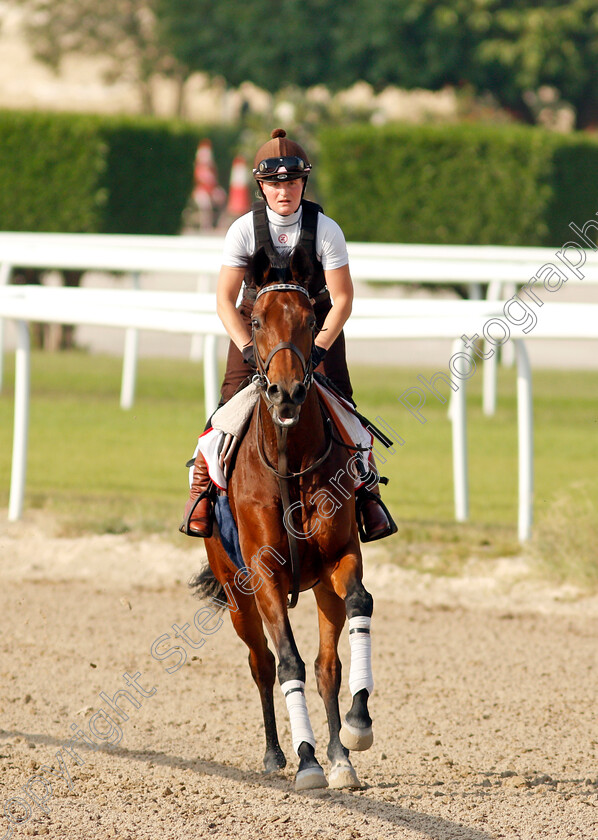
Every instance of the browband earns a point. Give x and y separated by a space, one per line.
283 287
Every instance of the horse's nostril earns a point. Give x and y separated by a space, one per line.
299 393
273 393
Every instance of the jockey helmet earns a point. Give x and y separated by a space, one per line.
280 159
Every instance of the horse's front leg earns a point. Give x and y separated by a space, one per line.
356 732
249 627
248 624
272 604
331 619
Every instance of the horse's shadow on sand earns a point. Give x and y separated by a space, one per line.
433 827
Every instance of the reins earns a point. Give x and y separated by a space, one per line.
285 497
282 471
279 431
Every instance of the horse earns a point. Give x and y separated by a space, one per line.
288 425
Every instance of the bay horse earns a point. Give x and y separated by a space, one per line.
289 424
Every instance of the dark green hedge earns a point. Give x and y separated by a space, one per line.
462 184
74 173
51 167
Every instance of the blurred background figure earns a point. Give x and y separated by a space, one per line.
208 196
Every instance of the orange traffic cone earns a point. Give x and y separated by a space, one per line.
239 200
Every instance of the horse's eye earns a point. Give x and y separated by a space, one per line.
255 323
311 322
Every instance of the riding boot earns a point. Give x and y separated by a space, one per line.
373 517
197 521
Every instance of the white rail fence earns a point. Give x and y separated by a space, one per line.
372 319
501 269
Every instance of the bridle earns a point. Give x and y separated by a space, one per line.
282 472
261 378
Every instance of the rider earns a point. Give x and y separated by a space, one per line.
283 220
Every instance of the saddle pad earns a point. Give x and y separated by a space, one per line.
348 426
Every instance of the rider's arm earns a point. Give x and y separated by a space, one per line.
340 286
230 281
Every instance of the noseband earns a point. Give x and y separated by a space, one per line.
262 365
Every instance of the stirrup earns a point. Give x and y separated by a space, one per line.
363 495
184 526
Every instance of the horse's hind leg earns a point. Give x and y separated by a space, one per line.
356 732
331 619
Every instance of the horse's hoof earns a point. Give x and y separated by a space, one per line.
274 761
310 778
355 738
343 776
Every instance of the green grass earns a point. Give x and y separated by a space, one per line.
94 467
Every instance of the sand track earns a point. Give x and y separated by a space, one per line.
484 709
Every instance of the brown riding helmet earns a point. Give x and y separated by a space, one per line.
280 159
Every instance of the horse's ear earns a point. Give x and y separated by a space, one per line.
301 265
260 267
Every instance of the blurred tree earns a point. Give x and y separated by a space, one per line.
124 31
510 48
523 45
409 43
272 44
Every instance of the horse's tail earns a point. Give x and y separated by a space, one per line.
205 585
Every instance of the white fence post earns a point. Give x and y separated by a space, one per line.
490 372
129 374
458 416
525 425
21 423
130 360
5 272
490 385
507 350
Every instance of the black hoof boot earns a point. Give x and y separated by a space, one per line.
356 732
310 774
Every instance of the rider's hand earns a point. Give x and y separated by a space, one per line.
317 355
249 356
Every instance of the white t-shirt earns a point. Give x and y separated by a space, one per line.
239 243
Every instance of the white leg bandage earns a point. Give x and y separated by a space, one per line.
360 675
301 730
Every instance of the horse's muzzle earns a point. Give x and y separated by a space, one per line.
278 394
286 405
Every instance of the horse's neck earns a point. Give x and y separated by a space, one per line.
305 441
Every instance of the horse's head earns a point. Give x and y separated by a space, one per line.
283 328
